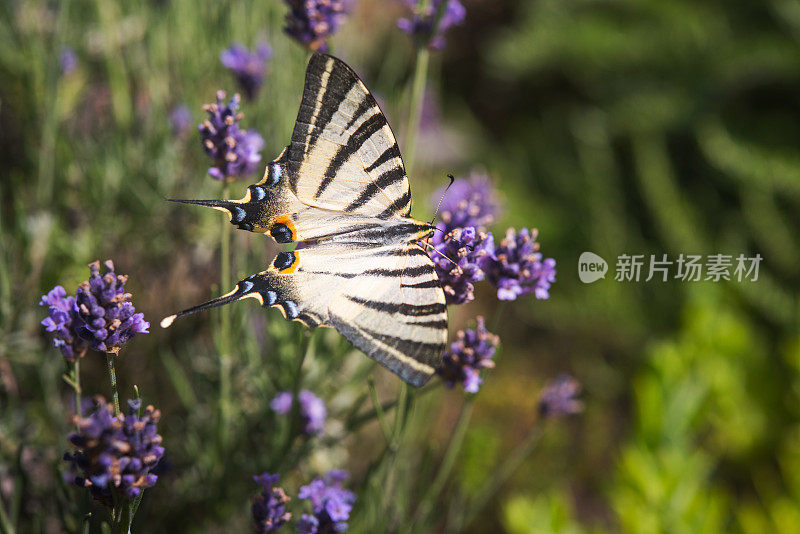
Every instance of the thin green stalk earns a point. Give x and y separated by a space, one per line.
379 409
47 153
448 462
418 83
112 377
5 522
76 380
225 333
294 415
355 422
503 473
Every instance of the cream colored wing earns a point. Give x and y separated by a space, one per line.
343 155
386 300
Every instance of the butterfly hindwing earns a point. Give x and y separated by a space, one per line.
385 300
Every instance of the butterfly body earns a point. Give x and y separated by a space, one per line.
340 190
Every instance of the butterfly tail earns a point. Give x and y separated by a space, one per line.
243 290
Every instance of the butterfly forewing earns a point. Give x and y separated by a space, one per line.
343 154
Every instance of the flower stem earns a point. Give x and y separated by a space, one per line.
76 379
448 462
112 377
504 472
224 336
418 83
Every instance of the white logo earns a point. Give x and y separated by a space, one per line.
591 267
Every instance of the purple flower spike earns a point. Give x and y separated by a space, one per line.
248 67
269 506
557 399
115 453
63 322
312 410
428 24
67 60
311 22
180 118
517 268
459 257
235 152
330 502
109 318
466 357
471 202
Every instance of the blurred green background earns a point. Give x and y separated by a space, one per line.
616 126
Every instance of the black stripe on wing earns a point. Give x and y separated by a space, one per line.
403 308
366 130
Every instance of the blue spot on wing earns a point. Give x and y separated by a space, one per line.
238 214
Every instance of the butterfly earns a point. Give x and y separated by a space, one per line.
340 189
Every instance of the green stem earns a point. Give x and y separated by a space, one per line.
112 377
5 522
415 111
357 421
504 472
448 462
225 332
76 379
378 409
294 431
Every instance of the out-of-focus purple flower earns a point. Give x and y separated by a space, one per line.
558 397
180 119
312 410
471 202
67 60
115 455
429 21
517 268
63 322
330 502
109 318
248 67
269 506
459 257
471 352
235 152
311 22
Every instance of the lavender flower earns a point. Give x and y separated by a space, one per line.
269 506
311 22
109 318
330 502
63 321
67 60
472 352
115 455
517 268
248 67
180 119
558 397
235 152
471 202
459 257
312 410
428 24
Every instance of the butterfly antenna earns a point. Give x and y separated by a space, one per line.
434 249
441 199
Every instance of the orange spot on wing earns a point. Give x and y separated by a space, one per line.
293 267
287 221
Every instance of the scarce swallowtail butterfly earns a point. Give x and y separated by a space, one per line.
340 187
